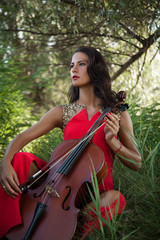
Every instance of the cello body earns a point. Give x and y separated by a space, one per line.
63 198
65 185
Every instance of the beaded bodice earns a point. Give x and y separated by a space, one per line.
69 111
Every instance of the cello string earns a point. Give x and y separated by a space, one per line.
85 196
42 171
51 185
92 130
55 175
53 164
59 176
89 134
83 139
83 143
77 150
67 165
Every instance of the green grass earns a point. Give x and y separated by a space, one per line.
141 218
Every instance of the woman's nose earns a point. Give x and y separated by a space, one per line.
74 69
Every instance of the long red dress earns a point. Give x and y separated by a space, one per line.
76 124
75 128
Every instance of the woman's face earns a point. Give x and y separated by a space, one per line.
79 73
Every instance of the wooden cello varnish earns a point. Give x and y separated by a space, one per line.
59 220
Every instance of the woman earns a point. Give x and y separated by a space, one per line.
90 90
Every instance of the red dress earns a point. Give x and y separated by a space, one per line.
75 129
75 126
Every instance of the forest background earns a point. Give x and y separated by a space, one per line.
37 39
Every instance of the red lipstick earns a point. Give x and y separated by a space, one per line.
74 77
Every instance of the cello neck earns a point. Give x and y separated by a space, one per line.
77 151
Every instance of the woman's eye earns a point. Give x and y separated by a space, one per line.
80 64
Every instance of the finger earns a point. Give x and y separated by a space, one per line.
112 130
13 185
16 179
110 123
110 127
11 188
6 191
113 117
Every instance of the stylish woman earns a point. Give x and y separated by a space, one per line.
90 92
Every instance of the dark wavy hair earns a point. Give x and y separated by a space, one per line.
99 75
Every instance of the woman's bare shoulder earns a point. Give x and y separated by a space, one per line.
53 117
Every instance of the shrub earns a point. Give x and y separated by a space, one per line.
14 114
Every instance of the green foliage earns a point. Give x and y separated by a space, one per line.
48 32
13 110
146 121
140 220
141 188
44 146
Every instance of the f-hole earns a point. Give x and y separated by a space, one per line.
67 196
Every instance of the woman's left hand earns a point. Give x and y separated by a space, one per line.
112 126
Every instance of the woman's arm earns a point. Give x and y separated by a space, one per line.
126 145
50 120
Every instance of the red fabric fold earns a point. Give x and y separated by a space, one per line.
108 214
9 207
75 129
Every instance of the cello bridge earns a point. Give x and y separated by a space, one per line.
50 190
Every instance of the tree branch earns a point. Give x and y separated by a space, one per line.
135 36
146 45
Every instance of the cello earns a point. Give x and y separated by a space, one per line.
50 210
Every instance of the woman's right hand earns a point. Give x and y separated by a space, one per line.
9 180
8 177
